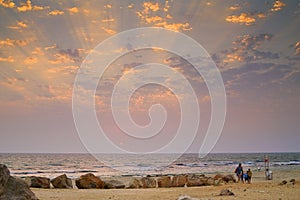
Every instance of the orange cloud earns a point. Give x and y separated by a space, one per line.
234 7
243 18
7 4
153 19
175 26
150 6
277 6
19 25
73 10
108 20
30 60
10 42
109 31
297 48
56 12
25 6
61 58
8 59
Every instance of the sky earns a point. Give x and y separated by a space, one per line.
254 44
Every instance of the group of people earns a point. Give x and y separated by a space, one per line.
241 175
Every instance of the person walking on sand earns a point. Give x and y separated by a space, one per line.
239 172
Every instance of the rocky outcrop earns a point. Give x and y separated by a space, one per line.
89 181
38 182
113 184
4 176
135 183
164 182
12 188
148 182
197 180
226 178
179 180
62 181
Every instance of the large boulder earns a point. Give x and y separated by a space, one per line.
12 188
113 184
38 182
229 178
62 181
89 181
164 182
4 176
226 178
148 182
179 180
197 180
135 183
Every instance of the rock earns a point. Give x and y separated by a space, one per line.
293 181
148 182
12 188
229 179
164 181
4 176
185 197
62 181
89 181
38 182
196 180
179 180
283 182
135 183
226 192
219 176
113 184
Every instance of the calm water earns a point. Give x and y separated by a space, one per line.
74 165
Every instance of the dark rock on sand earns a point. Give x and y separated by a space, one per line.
62 181
164 182
179 180
283 182
12 188
113 184
293 181
38 182
226 192
89 181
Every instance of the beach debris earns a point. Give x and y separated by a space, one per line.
113 184
179 180
13 188
164 182
89 181
293 181
62 181
186 197
38 182
226 192
283 182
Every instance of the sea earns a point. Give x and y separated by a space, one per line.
74 165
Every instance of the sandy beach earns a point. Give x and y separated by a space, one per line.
259 189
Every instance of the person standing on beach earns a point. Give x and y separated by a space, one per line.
239 172
249 173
